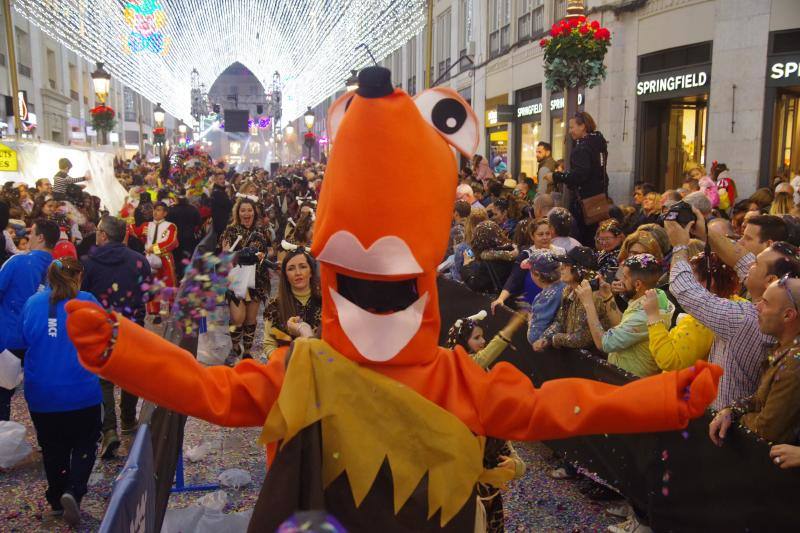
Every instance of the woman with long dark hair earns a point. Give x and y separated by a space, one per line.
587 175
246 238
296 311
63 397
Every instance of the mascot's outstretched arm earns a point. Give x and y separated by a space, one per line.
510 407
148 366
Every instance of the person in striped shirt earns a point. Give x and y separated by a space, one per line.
62 178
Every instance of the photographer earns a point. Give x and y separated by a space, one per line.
739 347
627 342
570 329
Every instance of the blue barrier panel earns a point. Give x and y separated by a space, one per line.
132 504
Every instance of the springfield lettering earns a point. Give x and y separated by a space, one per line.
672 83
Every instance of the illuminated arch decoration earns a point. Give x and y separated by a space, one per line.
311 43
146 19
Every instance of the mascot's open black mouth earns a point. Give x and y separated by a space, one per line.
379 297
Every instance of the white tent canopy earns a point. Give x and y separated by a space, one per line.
40 160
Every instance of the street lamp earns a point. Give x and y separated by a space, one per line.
159 114
308 118
352 82
102 82
289 130
182 128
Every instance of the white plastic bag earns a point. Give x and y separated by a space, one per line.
206 516
235 478
214 344
241 278
14 446
155 262
10 370
197 453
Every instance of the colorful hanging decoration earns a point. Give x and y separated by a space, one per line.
146 18
159 135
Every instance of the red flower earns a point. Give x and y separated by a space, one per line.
573 23
595 25
603 34
159 131
581 19
584 29
544 42
555 31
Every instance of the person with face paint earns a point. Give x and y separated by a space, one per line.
160 238
296 311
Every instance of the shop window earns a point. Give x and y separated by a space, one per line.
673 140
785 42
675 58
558 130
786 135
529 133
498 148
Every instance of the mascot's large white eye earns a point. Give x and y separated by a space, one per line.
336 113
452 117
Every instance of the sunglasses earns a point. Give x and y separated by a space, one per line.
783 282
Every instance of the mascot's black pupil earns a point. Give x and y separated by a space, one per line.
448 115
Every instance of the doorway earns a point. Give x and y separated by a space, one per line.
673 140
785 156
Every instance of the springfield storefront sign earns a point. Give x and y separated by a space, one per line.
672 83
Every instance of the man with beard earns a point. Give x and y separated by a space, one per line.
547 165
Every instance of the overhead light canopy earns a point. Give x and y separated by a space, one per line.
312 43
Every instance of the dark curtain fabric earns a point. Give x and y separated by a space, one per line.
681 480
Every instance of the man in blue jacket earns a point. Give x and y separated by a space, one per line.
114 274
20 278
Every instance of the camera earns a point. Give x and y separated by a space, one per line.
594 283
680 212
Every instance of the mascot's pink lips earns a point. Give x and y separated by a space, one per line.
379 317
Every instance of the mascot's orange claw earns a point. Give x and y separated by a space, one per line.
378 254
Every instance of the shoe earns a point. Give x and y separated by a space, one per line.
620 511
72 509
108 448
631 525
128 429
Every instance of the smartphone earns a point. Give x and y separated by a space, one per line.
470 253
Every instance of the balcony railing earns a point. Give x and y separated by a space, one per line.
24 70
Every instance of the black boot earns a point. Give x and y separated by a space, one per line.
248 336
236 349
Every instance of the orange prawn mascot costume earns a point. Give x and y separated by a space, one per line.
374 422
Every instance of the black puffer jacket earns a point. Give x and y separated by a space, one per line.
587 174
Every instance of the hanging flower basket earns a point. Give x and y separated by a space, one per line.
102 118
159 135
309 139
573 56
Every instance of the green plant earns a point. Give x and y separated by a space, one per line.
574 54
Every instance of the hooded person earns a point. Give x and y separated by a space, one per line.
380 331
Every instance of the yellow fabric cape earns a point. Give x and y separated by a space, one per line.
367 417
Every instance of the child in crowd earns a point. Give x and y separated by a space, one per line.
468 335
545 271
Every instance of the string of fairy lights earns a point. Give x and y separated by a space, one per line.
153 45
